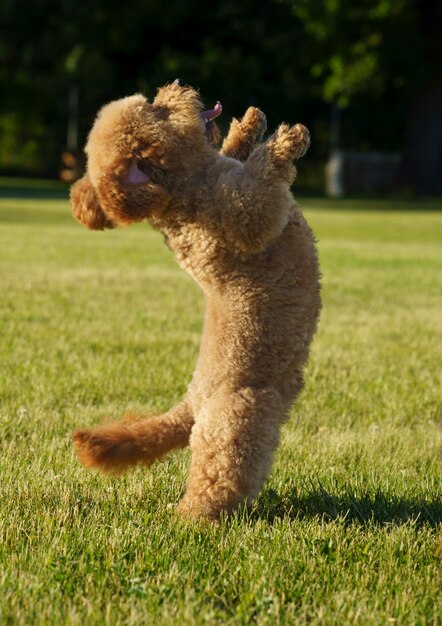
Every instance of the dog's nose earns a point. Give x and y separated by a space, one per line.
180 82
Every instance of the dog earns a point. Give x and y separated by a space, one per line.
233 224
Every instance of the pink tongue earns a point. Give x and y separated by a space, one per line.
135 176
211 114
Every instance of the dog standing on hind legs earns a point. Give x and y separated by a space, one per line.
233 224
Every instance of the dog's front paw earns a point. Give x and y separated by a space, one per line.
300 137
254 123
245 134
292 141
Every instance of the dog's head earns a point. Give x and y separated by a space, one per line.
142 155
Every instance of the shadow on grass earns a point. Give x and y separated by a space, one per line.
28 189
29 212
363 508
18 193
32 188
369 204
35 215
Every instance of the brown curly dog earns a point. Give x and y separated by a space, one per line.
233 224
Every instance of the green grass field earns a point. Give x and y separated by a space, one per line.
348 526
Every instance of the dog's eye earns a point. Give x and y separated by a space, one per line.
156 174
159 176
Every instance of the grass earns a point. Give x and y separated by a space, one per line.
347 528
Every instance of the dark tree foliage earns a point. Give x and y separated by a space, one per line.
293 58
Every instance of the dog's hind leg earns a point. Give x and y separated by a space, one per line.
116 447
233 443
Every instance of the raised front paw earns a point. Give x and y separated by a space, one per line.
245 134
254 122
292 142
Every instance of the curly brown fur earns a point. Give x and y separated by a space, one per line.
235 227
86 207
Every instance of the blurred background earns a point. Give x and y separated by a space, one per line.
364 76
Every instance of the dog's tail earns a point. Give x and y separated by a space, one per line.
116 447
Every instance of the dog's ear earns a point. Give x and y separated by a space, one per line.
86 207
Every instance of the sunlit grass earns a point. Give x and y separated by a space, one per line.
347 528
